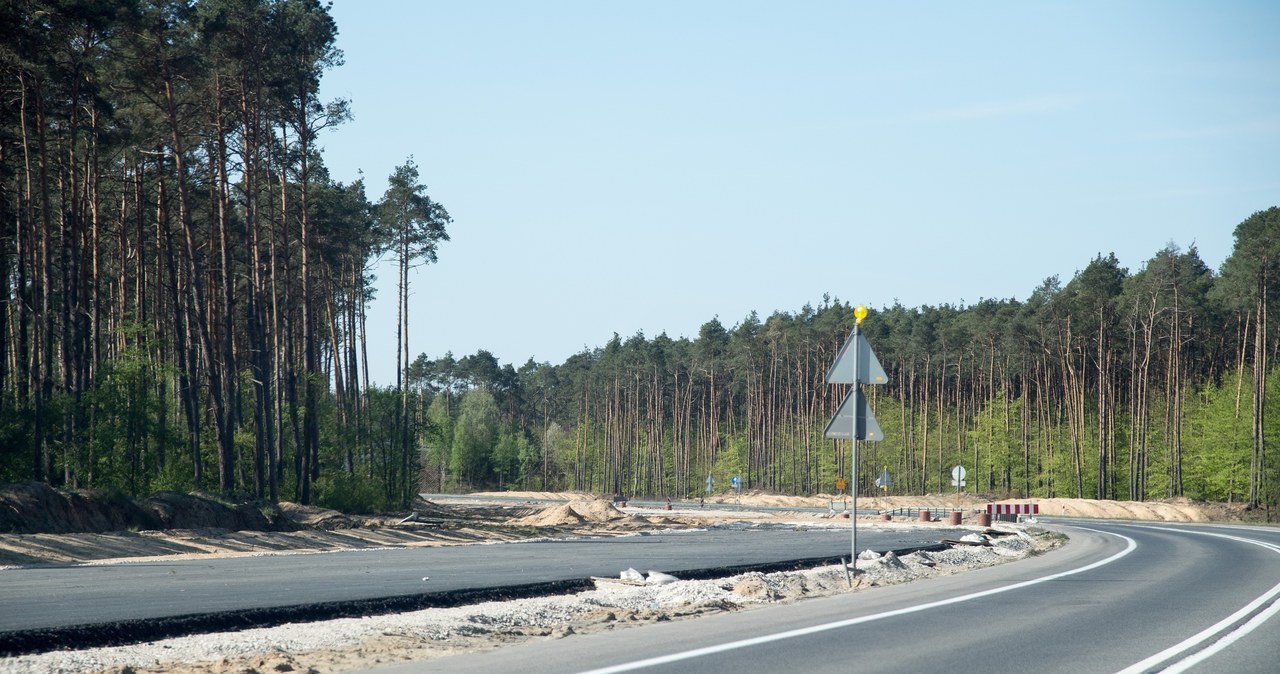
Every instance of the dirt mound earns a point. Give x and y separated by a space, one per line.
598 510
37 508
316 517
431 509
952 500
764 498
1179 510
556 516
196 511
574 513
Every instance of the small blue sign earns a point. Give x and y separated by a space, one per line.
736 481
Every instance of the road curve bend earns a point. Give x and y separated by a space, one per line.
1122 597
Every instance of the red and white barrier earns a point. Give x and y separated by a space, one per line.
1013 508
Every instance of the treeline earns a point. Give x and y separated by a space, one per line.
1116 385
186 310
186 286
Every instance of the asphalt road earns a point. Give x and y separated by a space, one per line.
1120 598
56 598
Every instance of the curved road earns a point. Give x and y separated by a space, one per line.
1122 597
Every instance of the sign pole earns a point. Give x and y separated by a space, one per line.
853 419
858 313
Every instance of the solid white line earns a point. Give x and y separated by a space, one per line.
1222 643
789 634
1213 630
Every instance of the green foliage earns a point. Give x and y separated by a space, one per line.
998 445
559 444
351 494
1216 446
15 444
730 461
474 437
505 459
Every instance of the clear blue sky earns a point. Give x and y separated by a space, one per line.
646 166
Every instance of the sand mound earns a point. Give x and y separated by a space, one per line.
573 514
760 498
598 510
1175 511
555 516
962 500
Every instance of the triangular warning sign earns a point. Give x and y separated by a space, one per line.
870 372
854 408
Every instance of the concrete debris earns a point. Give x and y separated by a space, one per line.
660 578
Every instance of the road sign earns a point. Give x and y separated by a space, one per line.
884 481
736 482
710 483
840 483
842 426
957 476
869 370
855 364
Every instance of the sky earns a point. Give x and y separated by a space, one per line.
644 167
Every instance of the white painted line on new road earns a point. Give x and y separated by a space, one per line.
790 634
1218 627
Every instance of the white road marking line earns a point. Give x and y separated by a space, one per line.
1197 639
1222 643
789 634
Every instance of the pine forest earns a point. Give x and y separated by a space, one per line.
186 310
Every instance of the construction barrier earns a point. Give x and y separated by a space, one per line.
1013 508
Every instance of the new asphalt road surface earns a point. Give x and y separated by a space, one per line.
53 598
1121 597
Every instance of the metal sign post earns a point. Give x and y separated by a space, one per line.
853 455
856 364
